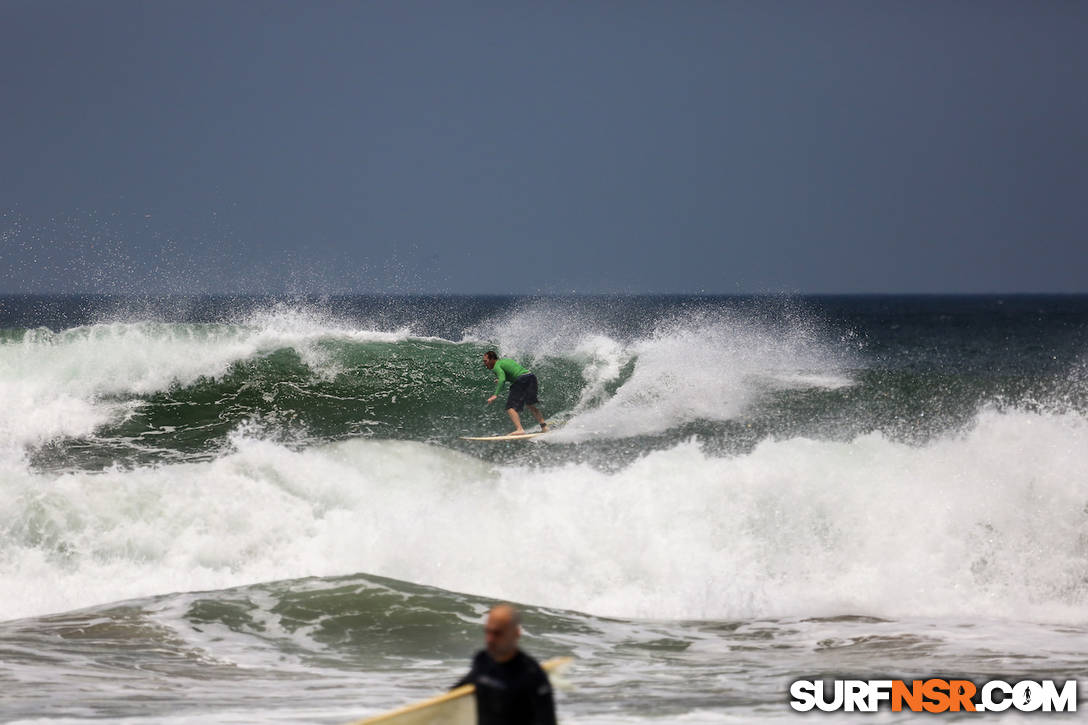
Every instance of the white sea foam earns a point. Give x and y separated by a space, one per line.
69 383
990 522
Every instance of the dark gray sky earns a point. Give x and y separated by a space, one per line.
526 147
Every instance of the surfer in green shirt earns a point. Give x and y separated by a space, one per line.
523 389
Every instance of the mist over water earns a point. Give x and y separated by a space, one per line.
714 460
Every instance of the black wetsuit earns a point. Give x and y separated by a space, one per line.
516 692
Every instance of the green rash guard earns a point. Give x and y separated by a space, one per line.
506 369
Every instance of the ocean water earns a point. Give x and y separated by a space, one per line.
237 510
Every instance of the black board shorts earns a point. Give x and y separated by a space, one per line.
522 392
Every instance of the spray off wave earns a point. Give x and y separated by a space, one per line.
698 365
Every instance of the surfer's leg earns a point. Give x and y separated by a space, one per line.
516 420
539 418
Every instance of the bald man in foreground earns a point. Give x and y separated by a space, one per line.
511 687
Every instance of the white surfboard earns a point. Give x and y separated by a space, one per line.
456 707
507 437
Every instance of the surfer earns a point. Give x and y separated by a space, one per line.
511 687
522 389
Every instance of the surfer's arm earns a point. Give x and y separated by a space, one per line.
470 678
543 702
501 375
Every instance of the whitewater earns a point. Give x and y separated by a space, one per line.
739 492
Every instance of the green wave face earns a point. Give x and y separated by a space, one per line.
625 376
411 390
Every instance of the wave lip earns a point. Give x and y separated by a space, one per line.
67 384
